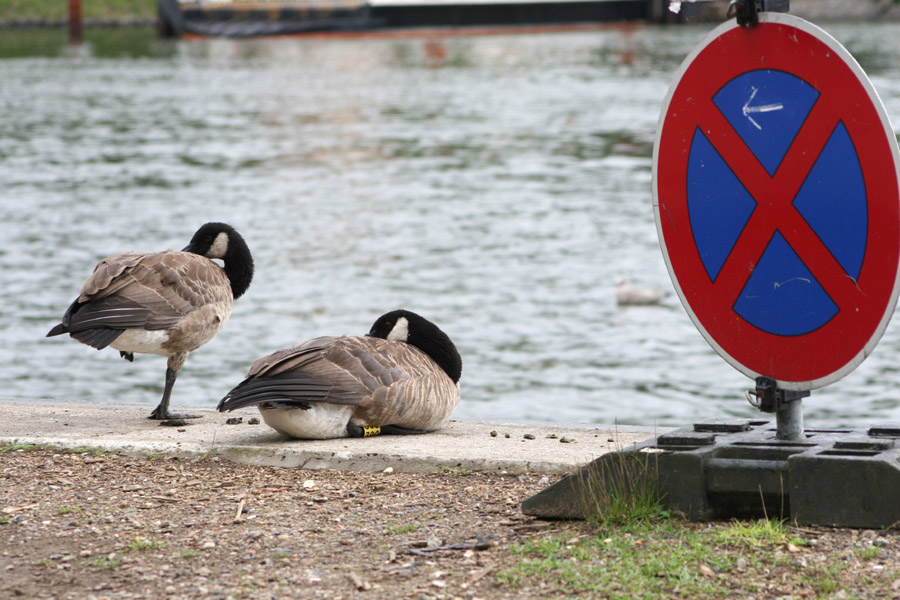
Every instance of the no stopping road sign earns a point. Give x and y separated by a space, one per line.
777 202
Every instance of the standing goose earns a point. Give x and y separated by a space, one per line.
168 303
401 378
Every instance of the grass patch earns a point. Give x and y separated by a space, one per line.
825 580
36 447
398 529
86 450
645 560
18 448
188 554
756 534
105 562
868 553
68 510
459 472
143 544
673 558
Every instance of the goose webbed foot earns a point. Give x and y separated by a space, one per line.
161 412
165 415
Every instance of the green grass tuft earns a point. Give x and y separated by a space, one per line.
18 448
754 534
142 544
398 529
105 562
88 451
622 489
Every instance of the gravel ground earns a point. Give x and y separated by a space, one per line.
104 527
81 526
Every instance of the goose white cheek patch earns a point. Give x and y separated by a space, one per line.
219 247
400 332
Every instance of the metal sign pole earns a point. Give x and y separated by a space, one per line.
786 405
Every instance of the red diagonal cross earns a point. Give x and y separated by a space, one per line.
774 196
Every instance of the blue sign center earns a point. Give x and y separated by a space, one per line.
767 109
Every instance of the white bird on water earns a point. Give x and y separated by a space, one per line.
628 296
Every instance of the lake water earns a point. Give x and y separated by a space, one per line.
495 184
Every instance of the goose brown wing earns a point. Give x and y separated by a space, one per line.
142 291
333 370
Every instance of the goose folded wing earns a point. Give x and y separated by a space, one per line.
291 389
345 371
146 291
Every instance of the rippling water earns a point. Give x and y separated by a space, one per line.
496 184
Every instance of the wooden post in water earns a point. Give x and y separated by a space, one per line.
74 21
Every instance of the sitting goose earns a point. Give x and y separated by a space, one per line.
168 303
626 296
401 378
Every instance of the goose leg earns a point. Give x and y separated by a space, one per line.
161 412
397 430
362 431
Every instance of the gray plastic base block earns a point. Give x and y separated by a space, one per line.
724 469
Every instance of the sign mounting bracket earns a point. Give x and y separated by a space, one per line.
747 11
768 397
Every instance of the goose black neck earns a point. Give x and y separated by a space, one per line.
437 344
447 358
238 267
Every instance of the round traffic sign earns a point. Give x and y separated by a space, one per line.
777 201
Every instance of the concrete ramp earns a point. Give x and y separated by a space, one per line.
460 446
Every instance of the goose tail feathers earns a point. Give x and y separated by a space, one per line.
284 390
98 338
58 330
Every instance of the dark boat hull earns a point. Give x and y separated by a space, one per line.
219 21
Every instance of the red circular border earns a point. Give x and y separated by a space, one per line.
828 353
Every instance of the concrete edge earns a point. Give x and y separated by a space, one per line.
315 460
459 446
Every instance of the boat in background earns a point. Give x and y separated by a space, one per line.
226 18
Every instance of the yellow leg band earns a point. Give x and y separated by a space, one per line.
370 431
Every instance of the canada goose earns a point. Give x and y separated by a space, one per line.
168 303
626 295
401 378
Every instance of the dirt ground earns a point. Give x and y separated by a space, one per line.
80 526
102 527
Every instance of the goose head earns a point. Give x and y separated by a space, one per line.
410 328
222 241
